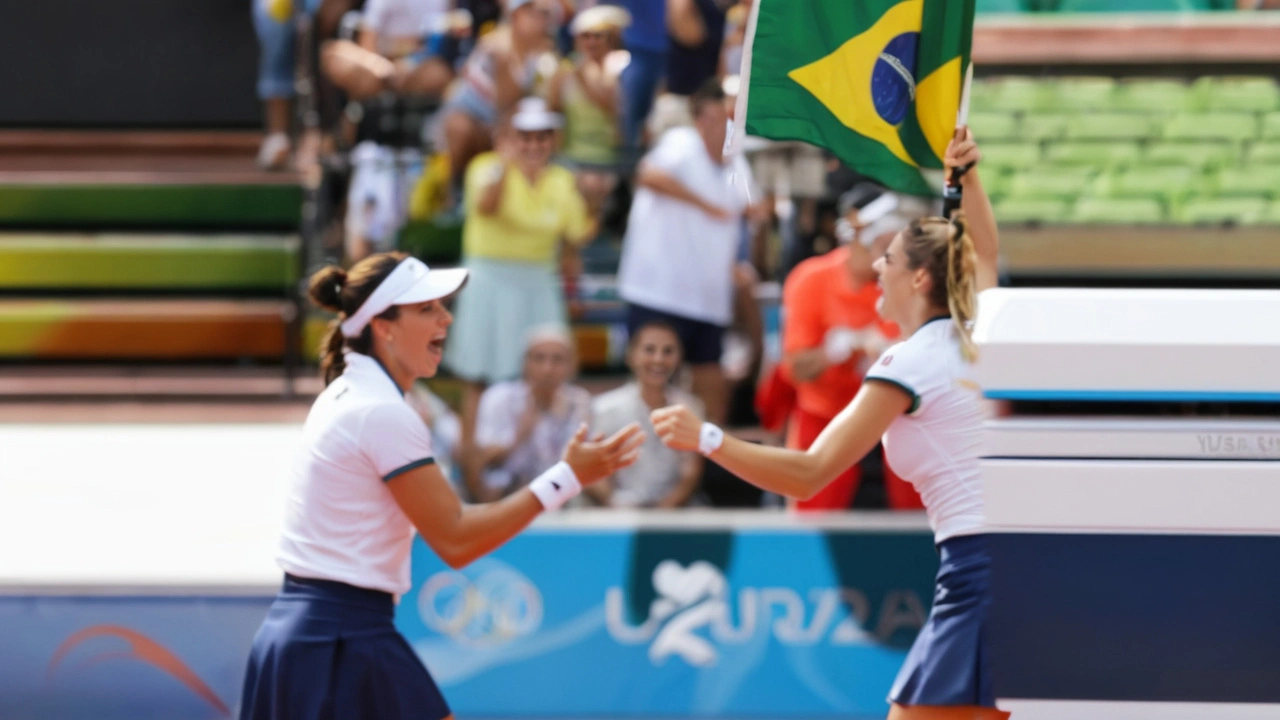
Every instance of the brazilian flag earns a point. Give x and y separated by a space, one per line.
876 82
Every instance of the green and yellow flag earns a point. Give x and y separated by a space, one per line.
876 82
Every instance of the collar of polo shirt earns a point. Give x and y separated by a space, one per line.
411 282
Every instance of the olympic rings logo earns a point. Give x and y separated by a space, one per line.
490 604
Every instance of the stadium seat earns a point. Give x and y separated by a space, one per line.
1168 184
1093 154
1081 6
989 127
1241 211
1237 94
1234 127
1193 154
1264 153
1044 127
1074 94
1059 183
147 263
1015 94
1271 126
1151 95
985 7
1249 181
1010 156
1111 126
1112 211
1022 210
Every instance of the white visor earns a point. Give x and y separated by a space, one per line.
411 282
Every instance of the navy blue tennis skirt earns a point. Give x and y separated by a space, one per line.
948 664
330 651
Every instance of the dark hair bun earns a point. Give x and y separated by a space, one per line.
326 287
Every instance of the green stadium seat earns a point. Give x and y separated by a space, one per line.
1151 96
1093 154
990 127
1044 127
1062 183
1237 94
1249 181
1113 211
1264 153
1234 127
1022 210
1111 126
267 264
986 7
1271 126
1168 184
1011 156
1074 94
1193 154
1089 6
1240 211
1016 94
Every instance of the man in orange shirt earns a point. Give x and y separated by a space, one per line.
831 334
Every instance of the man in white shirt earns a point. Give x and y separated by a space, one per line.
682 240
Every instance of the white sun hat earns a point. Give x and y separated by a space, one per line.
411 282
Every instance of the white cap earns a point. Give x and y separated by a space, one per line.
533 115
411 282
513 5
600 17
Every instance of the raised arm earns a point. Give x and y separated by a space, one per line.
798 474
963 151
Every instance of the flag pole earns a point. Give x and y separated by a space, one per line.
953 192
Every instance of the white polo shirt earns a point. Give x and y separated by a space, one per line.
676 258
937 443
341 522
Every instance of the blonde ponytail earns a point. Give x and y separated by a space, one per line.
962 300
945 249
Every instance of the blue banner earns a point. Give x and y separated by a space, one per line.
748 623
124 658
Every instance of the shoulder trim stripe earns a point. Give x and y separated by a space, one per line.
406 468
915 397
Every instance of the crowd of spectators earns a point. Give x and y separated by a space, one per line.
532 124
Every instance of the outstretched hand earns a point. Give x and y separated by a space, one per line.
593 460
678 427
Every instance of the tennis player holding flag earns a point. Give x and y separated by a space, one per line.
921 401
364 479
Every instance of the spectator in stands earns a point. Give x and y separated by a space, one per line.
506 65
735 38
523 424
647 43
697 29
832 333
585 91
522 213
662 477
1258 4
398 50
682 240
274 21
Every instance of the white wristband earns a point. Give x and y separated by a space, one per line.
710 439
556 486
